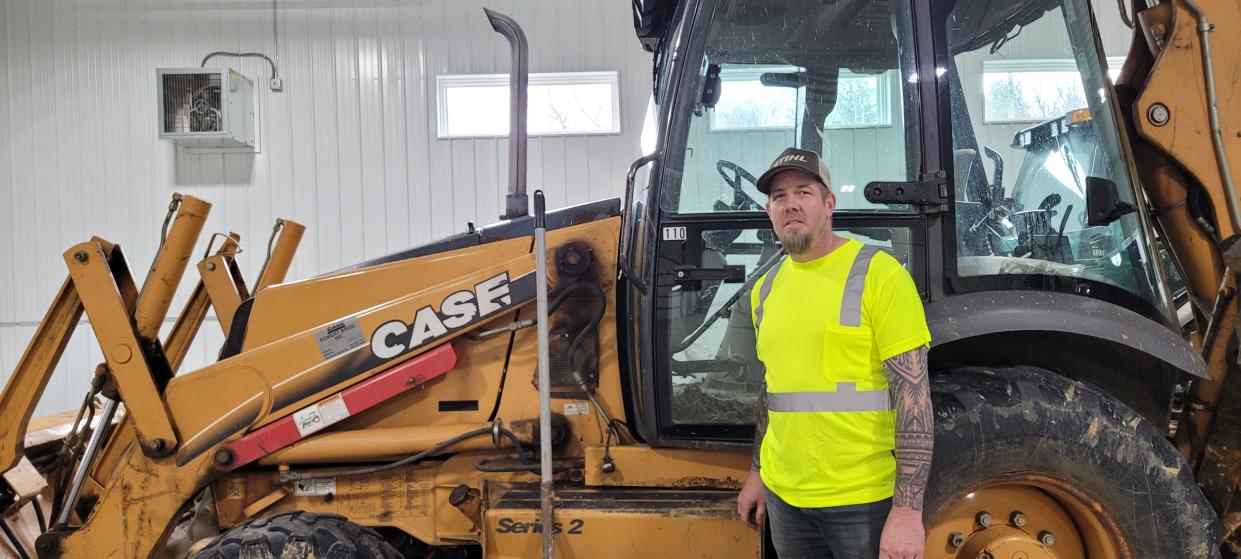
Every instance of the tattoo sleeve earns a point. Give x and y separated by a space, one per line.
915 425
760 425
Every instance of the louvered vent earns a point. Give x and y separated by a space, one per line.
206 107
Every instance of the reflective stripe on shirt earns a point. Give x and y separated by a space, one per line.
765 290
851 301
846 398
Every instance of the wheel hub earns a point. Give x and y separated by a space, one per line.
1022 517
1005 542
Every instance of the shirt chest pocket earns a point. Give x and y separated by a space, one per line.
847 355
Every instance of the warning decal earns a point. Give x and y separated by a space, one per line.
397 494
316 417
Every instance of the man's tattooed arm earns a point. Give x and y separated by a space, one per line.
915 425
760 425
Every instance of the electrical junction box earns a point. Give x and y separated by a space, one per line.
206 107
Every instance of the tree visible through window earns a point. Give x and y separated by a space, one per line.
1033 90
569 103
746 104
1031 96
857 103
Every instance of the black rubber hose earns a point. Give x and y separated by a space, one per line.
594 321
560 297
38 514
521 452
294 476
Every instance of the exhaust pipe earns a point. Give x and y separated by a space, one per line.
515 204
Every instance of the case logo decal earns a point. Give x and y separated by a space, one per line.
488 297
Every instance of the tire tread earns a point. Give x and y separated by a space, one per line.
299 535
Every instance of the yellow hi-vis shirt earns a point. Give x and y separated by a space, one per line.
824 328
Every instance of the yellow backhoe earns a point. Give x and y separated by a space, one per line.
582 382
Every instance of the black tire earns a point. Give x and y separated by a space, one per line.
996 421
312 535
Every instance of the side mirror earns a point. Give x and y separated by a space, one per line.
1103 203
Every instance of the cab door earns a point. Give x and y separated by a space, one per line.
753 78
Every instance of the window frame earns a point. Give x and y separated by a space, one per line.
444 82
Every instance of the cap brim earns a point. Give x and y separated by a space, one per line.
764 181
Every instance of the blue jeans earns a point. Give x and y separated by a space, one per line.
845 532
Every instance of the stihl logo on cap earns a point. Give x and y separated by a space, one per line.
787 158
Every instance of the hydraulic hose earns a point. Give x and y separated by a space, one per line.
368 470
1205 27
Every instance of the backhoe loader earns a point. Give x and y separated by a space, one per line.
393 408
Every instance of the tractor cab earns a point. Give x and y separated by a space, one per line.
965 138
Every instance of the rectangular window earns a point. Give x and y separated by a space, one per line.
559 104
862 101
1034 90
747 104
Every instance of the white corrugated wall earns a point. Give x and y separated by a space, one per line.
348 148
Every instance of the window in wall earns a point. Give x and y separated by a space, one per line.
559 104
863 101
1034 90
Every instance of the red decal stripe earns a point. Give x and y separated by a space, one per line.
357 398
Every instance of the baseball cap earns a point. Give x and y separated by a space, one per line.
793 158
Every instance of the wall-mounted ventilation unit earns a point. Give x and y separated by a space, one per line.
206 107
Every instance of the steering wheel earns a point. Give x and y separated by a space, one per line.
1052 200
741 200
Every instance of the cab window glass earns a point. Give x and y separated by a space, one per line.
1032 129
825 77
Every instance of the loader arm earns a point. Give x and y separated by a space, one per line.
221 288
99 278
100 285
1184 121
339 334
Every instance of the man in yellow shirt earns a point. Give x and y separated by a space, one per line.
844 435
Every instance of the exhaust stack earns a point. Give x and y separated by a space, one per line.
515 203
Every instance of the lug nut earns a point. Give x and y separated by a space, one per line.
1047 538
956 540
983 519
1018 519
80 256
